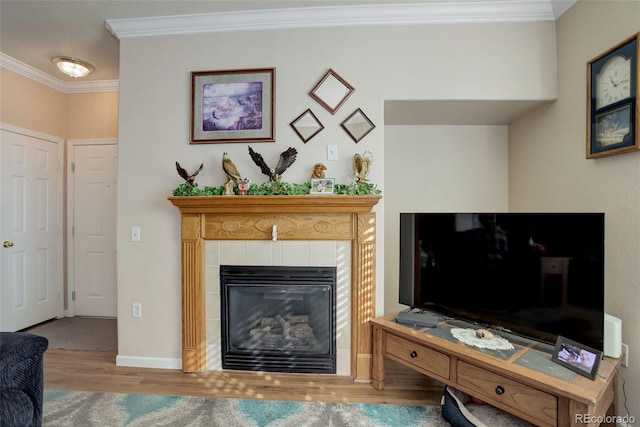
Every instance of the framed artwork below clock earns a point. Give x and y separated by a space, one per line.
612 100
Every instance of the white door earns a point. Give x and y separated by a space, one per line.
94 176
31 252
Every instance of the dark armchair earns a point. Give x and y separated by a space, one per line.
21 379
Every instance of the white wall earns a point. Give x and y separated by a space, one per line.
444 61
548 169
439 169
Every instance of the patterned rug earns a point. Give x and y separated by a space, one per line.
77 408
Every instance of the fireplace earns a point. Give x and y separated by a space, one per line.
278 319
310 217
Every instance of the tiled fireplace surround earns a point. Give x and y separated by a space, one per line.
280 253
311 230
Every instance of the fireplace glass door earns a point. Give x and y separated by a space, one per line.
278 319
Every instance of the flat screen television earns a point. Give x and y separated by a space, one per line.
538 275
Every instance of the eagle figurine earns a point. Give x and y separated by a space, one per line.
185 175
318 170
286 159
230 169
233 177
363 165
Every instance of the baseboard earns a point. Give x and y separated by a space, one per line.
148 362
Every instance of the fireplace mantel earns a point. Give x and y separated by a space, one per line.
322 217
266 204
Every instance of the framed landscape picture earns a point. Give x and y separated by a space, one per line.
233 106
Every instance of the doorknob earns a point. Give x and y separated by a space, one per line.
7 244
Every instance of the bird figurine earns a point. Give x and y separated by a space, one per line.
363 165
286 159
185 175
318 170
230 169
233 177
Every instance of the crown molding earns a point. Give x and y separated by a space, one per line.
34 74
92 86
561 6
359 15
30 72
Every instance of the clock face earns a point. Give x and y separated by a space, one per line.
614 81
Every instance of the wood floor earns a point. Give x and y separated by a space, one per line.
96 371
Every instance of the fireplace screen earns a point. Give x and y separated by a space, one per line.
278 319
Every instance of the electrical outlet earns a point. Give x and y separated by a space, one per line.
625 359
135 233
136 309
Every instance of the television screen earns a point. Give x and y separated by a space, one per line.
539 275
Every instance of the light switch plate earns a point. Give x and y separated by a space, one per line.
332 152
135 234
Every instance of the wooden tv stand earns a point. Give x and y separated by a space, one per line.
539 398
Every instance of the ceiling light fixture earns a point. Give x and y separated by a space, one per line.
73 67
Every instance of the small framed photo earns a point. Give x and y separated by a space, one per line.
577 357
233 106
322 185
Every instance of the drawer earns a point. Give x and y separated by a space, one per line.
514 397
419 356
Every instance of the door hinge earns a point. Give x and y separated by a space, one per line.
73 295
73 167
73 231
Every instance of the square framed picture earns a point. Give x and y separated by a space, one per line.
307 125
322 185
357 125
577 357
332 91
233 106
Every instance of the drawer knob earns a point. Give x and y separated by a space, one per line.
414 354
499 390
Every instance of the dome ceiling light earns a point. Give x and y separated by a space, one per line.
73 67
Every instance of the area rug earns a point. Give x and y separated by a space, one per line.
79 333
77 408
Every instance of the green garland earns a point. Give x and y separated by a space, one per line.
278 188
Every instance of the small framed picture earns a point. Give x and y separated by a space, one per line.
322 185
307 125
577 357
357 125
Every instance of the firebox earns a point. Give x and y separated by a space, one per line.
278 319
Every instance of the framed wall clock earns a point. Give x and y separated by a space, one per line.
612 100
